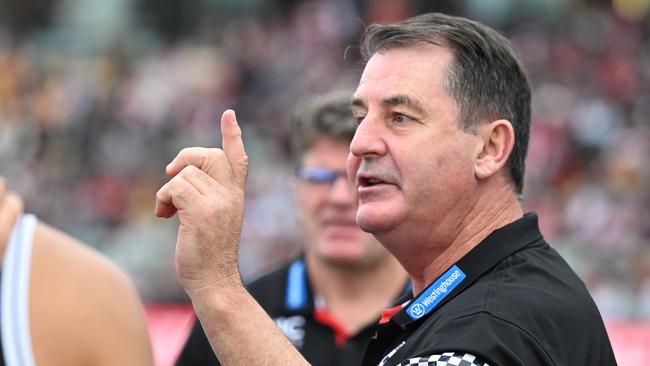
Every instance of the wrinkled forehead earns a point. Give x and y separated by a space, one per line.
418 73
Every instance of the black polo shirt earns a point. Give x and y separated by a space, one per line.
512 300
287 297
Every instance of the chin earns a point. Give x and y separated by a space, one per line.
376 221
344 253
346 261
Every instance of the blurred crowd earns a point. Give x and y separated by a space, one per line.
92 109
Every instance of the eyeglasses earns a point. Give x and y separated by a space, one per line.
317 175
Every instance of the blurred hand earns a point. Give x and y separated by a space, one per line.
11 207
207 191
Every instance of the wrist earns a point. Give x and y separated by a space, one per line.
201 291
217 303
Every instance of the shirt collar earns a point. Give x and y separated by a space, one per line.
299 296
488 253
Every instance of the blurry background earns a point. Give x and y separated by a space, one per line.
96 97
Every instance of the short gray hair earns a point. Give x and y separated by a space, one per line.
485 79
327 115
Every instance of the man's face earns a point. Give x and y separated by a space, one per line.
412 165
327 208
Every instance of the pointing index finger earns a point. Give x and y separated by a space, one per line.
233 145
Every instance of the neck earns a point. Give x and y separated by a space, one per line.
356 295
450 241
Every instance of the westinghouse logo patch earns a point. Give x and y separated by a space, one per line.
435 293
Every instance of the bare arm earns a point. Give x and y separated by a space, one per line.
83 309
239 330
122 336
207 192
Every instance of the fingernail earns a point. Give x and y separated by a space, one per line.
234 116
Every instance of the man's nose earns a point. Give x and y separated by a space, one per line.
369 138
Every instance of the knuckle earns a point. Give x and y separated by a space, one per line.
204 161
192 172
174 184
190 169
190 152
184 152
210 158
187 171
180 188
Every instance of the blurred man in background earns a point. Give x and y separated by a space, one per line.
327 301
62 303
437 160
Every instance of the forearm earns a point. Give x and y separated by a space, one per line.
239 330
207 192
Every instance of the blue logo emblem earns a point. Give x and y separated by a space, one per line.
435 293
416 311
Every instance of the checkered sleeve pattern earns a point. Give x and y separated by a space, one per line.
446 359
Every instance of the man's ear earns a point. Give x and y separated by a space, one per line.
498 140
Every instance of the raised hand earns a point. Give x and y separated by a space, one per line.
207 191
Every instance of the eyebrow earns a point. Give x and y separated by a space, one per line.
394 100
357 102
406 101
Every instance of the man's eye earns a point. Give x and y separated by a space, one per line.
359 119
400 118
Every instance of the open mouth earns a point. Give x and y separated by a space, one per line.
369 181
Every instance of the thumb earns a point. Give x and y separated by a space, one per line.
233 146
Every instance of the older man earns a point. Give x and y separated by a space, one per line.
443 108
